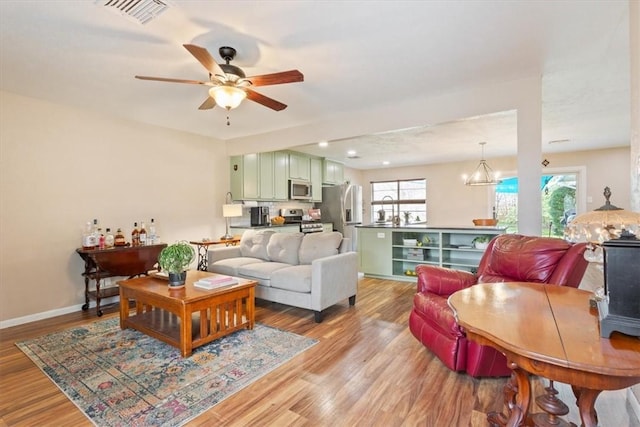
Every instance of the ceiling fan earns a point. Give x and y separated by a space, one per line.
229 84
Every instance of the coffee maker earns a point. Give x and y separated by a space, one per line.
259 216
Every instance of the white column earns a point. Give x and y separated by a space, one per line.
529 158
634 60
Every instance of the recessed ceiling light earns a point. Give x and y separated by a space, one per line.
386 162
323 144
351 153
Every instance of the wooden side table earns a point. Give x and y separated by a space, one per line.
203 245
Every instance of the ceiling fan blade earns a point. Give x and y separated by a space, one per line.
265 100
164 79
291 76
208 104
205 58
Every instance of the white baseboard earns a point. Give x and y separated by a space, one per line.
633 402
53 313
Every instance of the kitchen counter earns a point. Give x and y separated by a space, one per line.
284 228
388 251
426 227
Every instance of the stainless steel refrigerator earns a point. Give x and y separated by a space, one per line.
342 205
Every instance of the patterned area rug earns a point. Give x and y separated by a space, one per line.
125 378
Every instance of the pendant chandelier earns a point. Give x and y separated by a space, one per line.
483 175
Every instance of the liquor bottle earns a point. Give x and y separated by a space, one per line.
142 234
109 240
152 237
135 235
94 230
87 237
119 239
101 239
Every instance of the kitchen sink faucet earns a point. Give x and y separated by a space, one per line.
393 211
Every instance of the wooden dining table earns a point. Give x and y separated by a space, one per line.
548 331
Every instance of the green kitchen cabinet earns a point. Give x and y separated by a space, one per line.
332 172
245 177
280 178
374 251
299 167
266 181
316 179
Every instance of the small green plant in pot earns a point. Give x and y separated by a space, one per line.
175 260
481 242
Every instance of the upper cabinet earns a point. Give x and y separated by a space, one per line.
332 173
265 176
280 171
245 178
316 179
260 176
299 167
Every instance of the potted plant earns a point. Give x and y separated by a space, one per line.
481 242
175 260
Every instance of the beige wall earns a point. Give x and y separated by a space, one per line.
61 167
450 202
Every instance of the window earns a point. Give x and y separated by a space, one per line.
406 198
558 202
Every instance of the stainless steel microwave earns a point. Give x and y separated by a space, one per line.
299 190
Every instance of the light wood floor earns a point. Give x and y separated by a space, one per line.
367 370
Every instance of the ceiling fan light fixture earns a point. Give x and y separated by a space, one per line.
483 175
228 97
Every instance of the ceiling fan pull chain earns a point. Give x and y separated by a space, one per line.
228 122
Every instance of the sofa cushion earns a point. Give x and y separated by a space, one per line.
523 259
230 266
283 247
254 243
261 270
295 278
319 245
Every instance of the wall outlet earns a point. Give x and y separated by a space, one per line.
381 235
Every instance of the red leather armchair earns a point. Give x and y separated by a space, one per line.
508 258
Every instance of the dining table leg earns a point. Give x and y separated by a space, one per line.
517 396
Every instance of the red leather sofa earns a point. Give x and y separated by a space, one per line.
508 258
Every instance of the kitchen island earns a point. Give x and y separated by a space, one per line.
393 252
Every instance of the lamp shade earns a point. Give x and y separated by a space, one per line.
231 210
227 96
604 223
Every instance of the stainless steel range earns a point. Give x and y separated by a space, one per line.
296 216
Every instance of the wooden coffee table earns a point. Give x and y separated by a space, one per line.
189 317
550 331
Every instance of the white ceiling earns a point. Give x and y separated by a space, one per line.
359 59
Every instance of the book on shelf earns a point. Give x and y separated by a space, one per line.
214 282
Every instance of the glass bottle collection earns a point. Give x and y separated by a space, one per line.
94 238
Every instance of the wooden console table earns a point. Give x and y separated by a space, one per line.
127 261
549 331
203 245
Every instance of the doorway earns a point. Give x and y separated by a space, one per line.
558 198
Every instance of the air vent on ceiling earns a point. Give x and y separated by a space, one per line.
141 11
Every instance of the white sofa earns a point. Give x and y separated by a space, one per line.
312 271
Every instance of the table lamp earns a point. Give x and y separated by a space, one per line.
609 230
230 210
600 225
